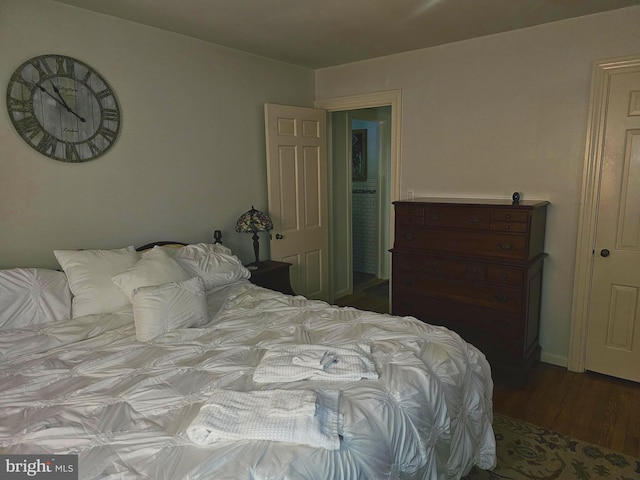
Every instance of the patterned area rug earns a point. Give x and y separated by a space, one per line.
527 452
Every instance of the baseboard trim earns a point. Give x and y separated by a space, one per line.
554 359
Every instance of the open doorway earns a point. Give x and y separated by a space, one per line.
370 139
339 111
361 166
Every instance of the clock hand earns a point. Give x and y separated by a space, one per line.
47 92
63 103
55 89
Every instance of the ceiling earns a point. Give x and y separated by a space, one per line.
323 33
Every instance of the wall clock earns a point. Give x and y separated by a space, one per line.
63 108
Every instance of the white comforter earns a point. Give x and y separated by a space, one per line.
86 386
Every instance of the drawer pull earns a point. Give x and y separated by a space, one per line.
502 298
431 265
434 217
472 271
501 323
474 219
503 276
507 227
408 237
505 246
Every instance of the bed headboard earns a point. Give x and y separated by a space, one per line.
149 246
217 238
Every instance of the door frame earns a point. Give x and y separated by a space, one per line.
589 202
393 99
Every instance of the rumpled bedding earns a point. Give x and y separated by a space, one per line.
85 386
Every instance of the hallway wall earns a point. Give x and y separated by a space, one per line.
364 206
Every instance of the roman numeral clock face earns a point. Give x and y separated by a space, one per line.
63 108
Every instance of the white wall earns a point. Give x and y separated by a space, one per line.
498 114
190 157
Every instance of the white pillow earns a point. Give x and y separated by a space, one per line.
155 267
29 296
164 308
214 263
89 273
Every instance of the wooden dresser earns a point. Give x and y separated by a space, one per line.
474 266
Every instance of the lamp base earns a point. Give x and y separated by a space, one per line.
256 246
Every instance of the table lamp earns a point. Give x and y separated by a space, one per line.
254 221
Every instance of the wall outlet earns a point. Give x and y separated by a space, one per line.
409 193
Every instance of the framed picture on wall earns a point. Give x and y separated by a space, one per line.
359 155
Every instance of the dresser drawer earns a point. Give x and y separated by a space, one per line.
505 275
487 244
410 210
409 215
409 220
440 266
496 342
508 226
490 331
509 216
473 218
459 269
472 293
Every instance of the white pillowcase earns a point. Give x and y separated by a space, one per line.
89 273
214 263
29 296
164 308
155 267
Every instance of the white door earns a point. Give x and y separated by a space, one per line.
298 195
613 335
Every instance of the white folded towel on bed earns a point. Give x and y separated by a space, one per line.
302 417
291 363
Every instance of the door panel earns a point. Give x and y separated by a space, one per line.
297 187
629 220
613 339
621 314
313 263
312 200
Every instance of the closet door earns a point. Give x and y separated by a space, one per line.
613 341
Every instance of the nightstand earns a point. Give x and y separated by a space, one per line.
272 275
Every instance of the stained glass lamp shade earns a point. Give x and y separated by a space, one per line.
254 221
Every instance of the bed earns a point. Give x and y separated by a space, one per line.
167 363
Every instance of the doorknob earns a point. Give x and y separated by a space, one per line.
604 252
279 236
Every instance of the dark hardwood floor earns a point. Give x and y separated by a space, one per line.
594 408
588 406
369 293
